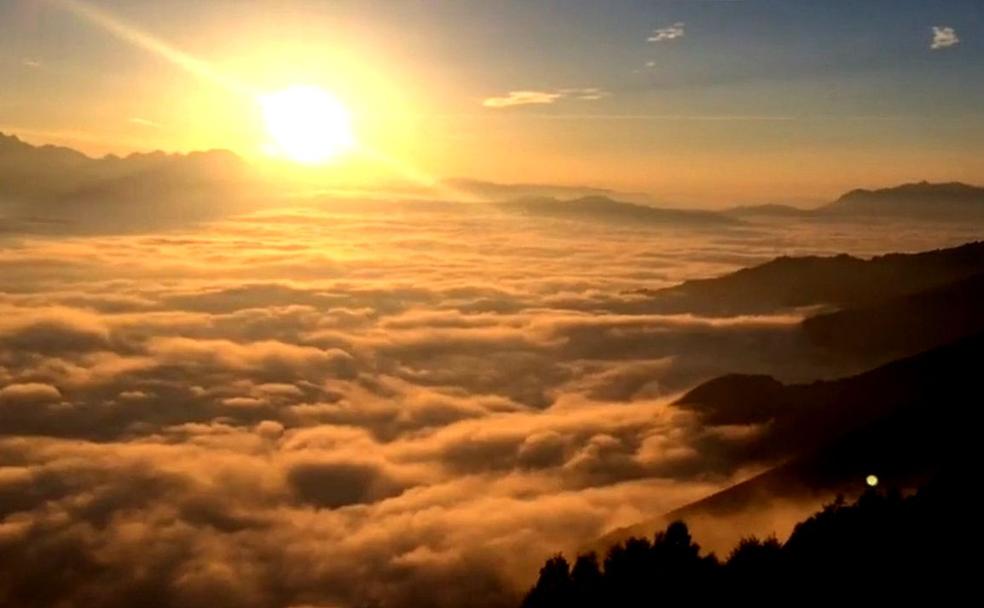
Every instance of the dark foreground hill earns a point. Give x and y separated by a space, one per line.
902 325
903 422
898 421
883 548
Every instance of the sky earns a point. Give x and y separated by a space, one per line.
695 102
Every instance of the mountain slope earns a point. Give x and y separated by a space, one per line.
51 172
33 172
902 325
51 188
806 416
902 422
922 200
839 281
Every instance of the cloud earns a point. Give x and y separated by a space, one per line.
672 32
943 37
31 63
144 122
520 98
586 94
344 482
268 356
52 331
29 392
262 411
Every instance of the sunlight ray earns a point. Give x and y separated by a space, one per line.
202 69
134 35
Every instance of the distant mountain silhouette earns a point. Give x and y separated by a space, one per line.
32 172
53 172
494 191
34 177
838 281
770 210
162 173
608 209
920 199
60 186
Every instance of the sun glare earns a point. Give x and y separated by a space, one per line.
308 124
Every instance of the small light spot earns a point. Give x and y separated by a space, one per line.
871 480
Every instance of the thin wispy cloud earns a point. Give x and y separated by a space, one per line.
523 98
662 34
587 94
144 122
669 117
31 63
944 37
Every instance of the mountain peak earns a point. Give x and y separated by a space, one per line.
11 144
52 173
914 196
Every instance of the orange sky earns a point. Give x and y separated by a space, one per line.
513 101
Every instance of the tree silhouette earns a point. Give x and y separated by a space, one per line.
554 587
883 547
756 565
588 581
627 566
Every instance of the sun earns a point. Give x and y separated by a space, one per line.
308 124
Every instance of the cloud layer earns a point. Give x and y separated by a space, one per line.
313 407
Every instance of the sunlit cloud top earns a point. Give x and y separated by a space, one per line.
944 37
671 32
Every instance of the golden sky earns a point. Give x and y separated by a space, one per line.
705 103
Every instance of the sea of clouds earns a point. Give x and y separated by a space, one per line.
308 407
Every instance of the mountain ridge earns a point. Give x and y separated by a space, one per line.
599 206
953 196
787 282
903 422
923 191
